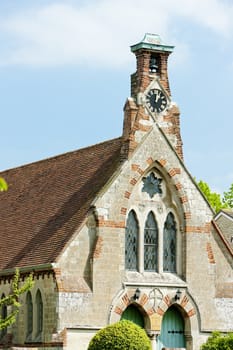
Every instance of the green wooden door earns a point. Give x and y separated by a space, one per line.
133 314
172 332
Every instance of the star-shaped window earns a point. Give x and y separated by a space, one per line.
152 185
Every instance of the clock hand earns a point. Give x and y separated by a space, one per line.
156 97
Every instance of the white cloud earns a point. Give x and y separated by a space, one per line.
214 14
99 32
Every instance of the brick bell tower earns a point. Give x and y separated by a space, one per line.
150 102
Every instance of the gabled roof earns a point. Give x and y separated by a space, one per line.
223 222
226 212
48 200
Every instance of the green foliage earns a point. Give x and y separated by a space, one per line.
3 185
218 341
213 198
123 335
13 298
228 197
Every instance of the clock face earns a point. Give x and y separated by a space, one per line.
156 100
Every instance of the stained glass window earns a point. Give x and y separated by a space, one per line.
169 244
152 185
131 242
151 244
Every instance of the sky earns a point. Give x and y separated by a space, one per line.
65 76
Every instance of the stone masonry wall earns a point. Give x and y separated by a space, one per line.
103 254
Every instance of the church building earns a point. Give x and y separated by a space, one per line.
118 230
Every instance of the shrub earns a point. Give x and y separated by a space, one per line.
123 335
218 341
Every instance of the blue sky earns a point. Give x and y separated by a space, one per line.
65 75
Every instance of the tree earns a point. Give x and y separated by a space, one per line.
213 198
228 197
12 299
123 335
218 341
3 185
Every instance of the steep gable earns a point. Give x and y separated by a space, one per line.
48 200
224 222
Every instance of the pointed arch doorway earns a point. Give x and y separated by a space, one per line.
132 313
172 330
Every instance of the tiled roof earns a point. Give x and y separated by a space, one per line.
47 200
228 212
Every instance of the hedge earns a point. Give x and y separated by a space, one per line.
123 335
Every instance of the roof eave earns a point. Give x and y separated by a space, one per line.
27 269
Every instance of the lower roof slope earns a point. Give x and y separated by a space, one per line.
47 200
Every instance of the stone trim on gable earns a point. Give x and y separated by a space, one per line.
174 174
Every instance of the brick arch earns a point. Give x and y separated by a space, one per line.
186 305
174 175
153 315
144 304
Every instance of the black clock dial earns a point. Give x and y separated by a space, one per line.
156 100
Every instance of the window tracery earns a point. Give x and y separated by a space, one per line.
169 244
131 242
151 244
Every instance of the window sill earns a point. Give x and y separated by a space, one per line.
153 279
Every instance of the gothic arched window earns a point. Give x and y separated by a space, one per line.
169 244
3 317
151 244
39 313
131 242
29 314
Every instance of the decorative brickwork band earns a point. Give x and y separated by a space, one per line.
133 181
162 162
144 128
150 161
98 247
143 300
187 215
198 229
111 223
118 310
160 311
184 301
174 171
136 168
191 313
210 253
184 199
127 194
178 186
123 211
126 299
140 171
151 311
167 300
